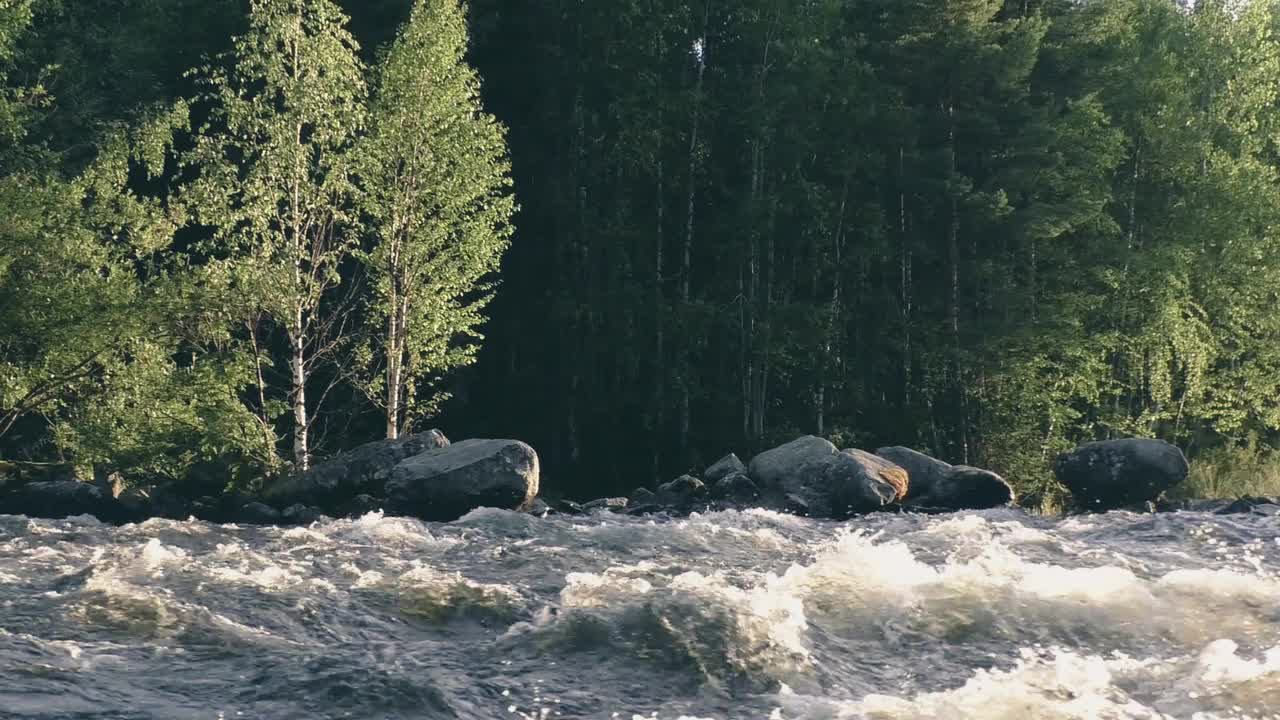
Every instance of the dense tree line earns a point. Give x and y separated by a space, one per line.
989 229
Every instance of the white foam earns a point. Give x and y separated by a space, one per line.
859 581
430 591
376 528
1219 664
155 555
1061 684
271 577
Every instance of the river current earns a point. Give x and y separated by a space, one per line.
988 615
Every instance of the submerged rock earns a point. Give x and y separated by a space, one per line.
1247 505
724 467
299 514
1111 474
569 507
939 485
613 504
257 513
810 476
446 483
539 508
333 484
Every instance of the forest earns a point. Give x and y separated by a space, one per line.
637 234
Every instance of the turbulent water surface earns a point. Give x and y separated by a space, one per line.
726 615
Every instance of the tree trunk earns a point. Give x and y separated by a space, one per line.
659 305
953 255
686 269
298 396
395 364
833 321
904 268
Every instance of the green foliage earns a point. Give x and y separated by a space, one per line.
1232 472
154 420
434 172
988 229
274 178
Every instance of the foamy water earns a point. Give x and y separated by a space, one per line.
986 615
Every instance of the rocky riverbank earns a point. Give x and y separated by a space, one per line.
428 477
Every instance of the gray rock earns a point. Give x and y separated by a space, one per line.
136 504
736 488
798 463
569 507
1262 506
1114 473
970 488
256 513
361 505
332 484
809 476
683 493
613 504
299 514
208 509
937 485
925 472
722 468
446 483
539 508
168 504
642 496
57 499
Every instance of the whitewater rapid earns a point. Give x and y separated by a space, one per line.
987 615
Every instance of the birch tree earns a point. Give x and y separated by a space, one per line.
274 177
436 178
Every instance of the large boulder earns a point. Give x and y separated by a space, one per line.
723 468
1114 473
333 484
926 472
936 484
810 476
64 498
446 483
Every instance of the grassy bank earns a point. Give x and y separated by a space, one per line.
1232 473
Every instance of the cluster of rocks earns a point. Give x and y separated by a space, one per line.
427 477
809 476
421 475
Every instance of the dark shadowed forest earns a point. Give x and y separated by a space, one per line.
636 234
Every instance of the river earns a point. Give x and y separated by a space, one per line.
987 615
